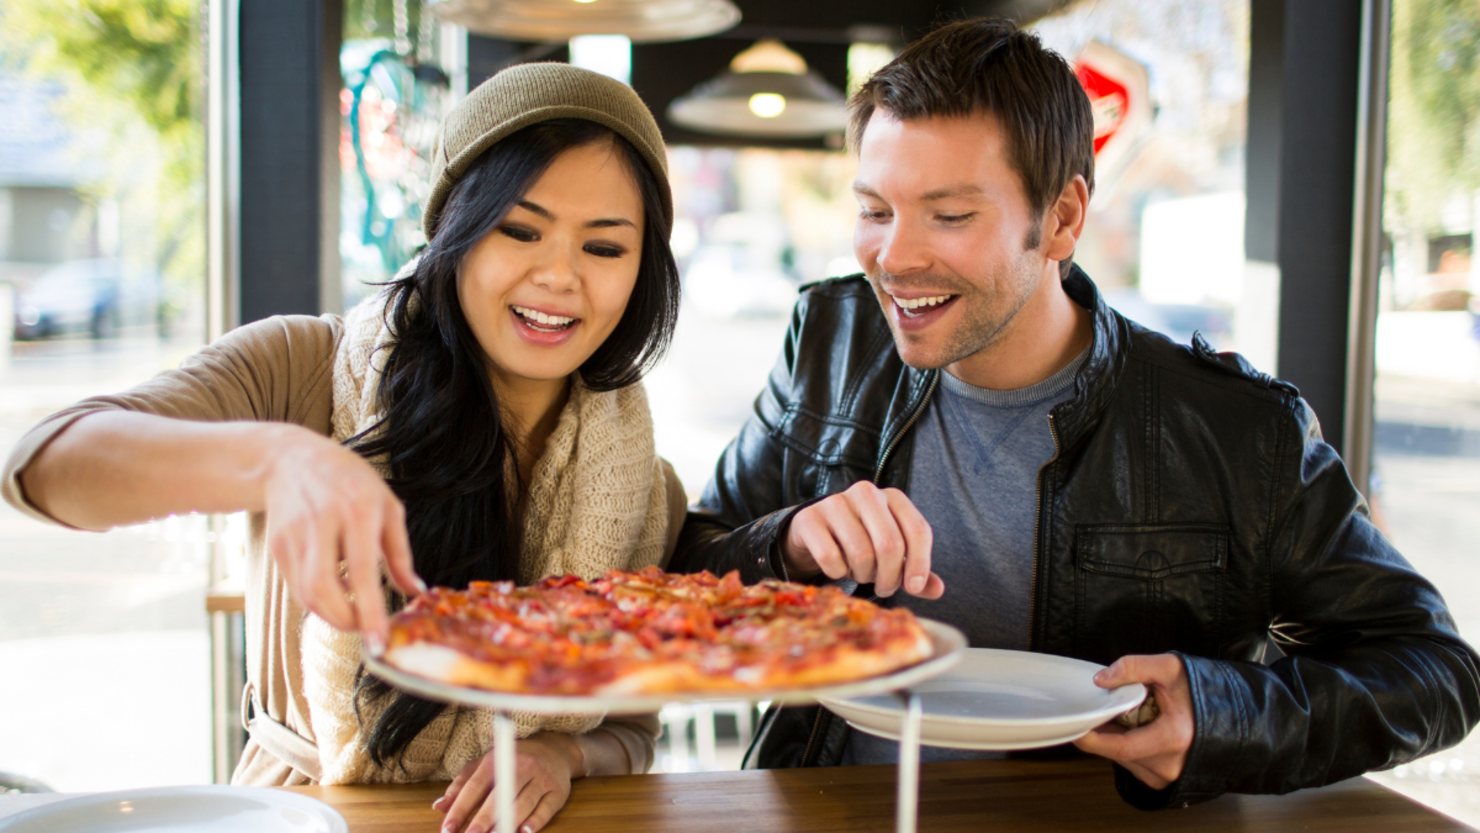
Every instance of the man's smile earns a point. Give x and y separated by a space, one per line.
919 306
913 311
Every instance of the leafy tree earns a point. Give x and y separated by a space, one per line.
1434 109
132 68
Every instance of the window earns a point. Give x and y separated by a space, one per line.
1426 440
103 642
1168 83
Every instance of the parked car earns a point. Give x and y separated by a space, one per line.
93 296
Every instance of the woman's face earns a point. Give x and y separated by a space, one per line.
546 287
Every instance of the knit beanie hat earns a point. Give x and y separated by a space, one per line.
527 94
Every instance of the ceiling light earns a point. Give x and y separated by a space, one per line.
768 105
767 92
768 55
558 20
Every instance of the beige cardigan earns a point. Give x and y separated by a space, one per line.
277 369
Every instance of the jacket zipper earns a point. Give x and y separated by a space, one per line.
920 409
878 473
812 739
1053 431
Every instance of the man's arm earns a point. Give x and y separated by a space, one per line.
745 507
752 519
1375 673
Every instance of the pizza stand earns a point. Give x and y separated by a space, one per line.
947 646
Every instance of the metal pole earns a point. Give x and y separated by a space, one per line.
503 771
907 802
1366 240
221 316
221 760
222 163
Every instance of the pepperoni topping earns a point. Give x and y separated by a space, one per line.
575 635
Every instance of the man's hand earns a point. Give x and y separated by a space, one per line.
866 534
1154 753
544 765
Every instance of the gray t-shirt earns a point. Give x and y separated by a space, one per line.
974 476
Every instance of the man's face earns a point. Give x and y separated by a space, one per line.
943 234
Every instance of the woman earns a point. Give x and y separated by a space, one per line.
481 419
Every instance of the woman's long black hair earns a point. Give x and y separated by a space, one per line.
442 432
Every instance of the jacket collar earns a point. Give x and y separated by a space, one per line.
1093 384
1108 356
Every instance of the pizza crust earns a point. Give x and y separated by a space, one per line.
446 665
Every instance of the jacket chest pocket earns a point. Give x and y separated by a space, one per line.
827 454
1149 589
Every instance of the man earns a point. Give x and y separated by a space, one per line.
972 431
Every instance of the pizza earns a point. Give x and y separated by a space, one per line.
649 632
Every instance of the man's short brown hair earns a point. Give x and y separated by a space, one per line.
989 65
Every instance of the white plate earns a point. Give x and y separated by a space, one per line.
947 645
218 809
995 699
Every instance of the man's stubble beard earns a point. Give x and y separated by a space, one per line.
984 317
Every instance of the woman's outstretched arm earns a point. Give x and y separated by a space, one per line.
113 468
241 424
324 503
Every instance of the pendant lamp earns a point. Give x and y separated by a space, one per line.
558 20
769 92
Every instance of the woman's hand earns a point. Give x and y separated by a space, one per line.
326 504
544 765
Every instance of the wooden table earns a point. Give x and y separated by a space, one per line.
971 797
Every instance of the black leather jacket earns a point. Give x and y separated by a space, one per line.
1191 507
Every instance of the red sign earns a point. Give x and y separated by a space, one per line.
1120 98
1109 100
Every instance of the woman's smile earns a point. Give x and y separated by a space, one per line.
542 328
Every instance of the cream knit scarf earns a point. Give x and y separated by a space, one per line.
597 500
